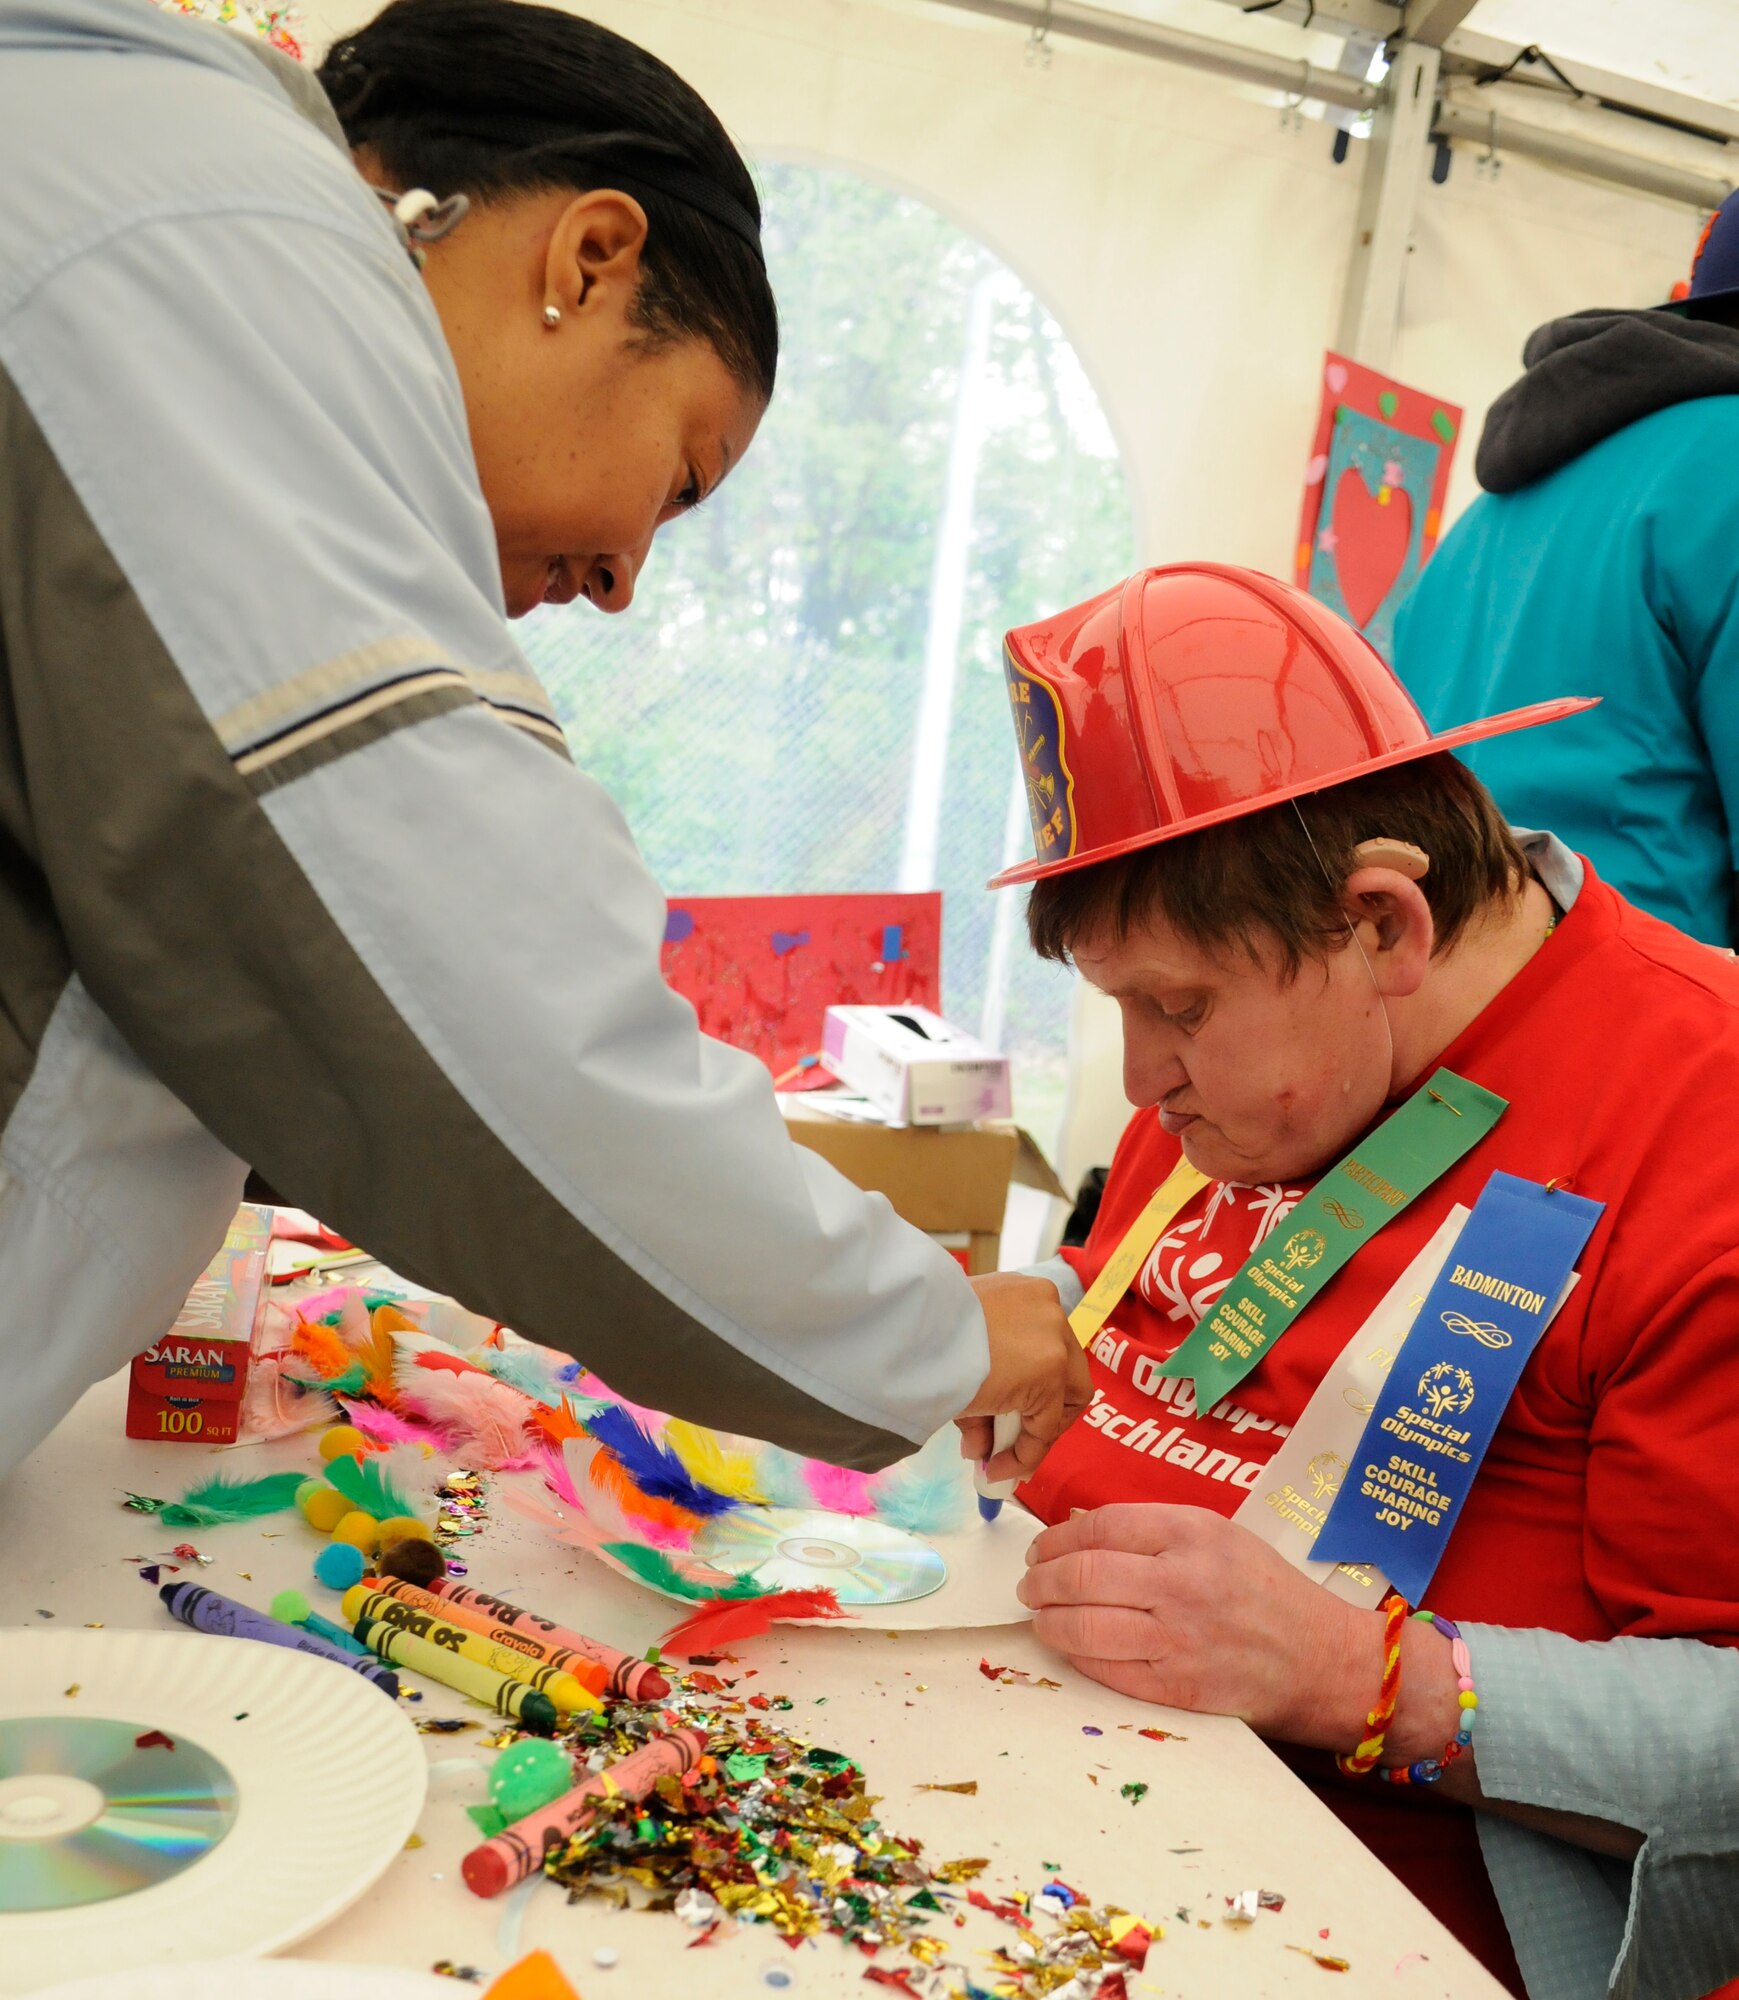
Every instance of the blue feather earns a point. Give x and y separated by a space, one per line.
653 1467
530 1370
930 1493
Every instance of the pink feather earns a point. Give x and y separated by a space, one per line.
573 1530
839 1489
557 1478
385 1427
483 1419
354 1328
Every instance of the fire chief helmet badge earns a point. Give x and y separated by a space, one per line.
1197 693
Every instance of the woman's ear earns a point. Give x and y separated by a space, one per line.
592 260
1392 920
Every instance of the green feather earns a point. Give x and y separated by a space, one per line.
215 1500
654 1567
352 1382
365 1486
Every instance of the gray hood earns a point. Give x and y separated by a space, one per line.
1592 374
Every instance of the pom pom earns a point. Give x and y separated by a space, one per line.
413 1562
342 1441
529 1774
338 1566
291 1607
361 1531
324 1507
403 1528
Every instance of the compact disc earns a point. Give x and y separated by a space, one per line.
92 1809
786 1548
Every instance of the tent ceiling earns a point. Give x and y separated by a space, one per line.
1688 48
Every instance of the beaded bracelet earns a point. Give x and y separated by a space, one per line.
1429 1769
1370 1747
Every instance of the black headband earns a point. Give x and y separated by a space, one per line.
619 156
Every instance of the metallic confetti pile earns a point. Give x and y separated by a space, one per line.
463 1502
772 1830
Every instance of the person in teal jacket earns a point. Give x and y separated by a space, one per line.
1603 558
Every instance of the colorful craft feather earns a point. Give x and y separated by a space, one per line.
658 1521
839 1489
558 1424
387 1427
710 1463
274 1406
930 1493
531 1370
445 1358
654 1468
726 1620
322 1347
368 1486
216 1500
685 1577
484 1420
557 1477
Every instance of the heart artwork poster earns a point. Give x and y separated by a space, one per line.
1373 495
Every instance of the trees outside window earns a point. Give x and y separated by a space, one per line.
807 693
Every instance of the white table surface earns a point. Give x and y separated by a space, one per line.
1222 1813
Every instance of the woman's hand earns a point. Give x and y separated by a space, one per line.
1181 1606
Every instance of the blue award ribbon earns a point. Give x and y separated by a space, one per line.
1447 1391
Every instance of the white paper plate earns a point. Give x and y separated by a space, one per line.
259 1979
329 1773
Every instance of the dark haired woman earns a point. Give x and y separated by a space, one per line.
294 870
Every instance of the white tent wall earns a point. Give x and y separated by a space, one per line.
1191 243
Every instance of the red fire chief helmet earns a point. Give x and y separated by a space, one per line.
1197 693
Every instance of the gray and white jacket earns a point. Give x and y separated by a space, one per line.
294 867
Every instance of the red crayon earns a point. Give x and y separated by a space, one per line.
634 1680
511 1856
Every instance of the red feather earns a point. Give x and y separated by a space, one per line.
726 1619
442 1358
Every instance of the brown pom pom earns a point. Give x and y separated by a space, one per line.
413 1561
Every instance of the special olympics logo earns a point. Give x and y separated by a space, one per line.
1302 1250
1327 1469
1348 1218
1482 1330
1445 1390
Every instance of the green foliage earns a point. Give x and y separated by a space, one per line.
753 713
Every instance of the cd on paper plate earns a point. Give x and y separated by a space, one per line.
168 1798
91 1809
784 1548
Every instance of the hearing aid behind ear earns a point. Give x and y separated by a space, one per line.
1401 855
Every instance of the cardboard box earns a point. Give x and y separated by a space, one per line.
914 1067
188 1386
950 1184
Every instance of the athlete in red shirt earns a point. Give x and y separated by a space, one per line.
1303 909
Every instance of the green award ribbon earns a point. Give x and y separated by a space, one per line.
1378 1179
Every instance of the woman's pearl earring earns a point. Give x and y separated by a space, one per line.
552 316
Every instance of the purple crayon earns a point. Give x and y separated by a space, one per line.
209 1611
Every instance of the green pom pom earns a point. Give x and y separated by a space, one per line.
527 1775
290 1606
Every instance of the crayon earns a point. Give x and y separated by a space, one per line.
538 1651
564 1690
419 1656
634 1679
334 1635
206 1611
511 1856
